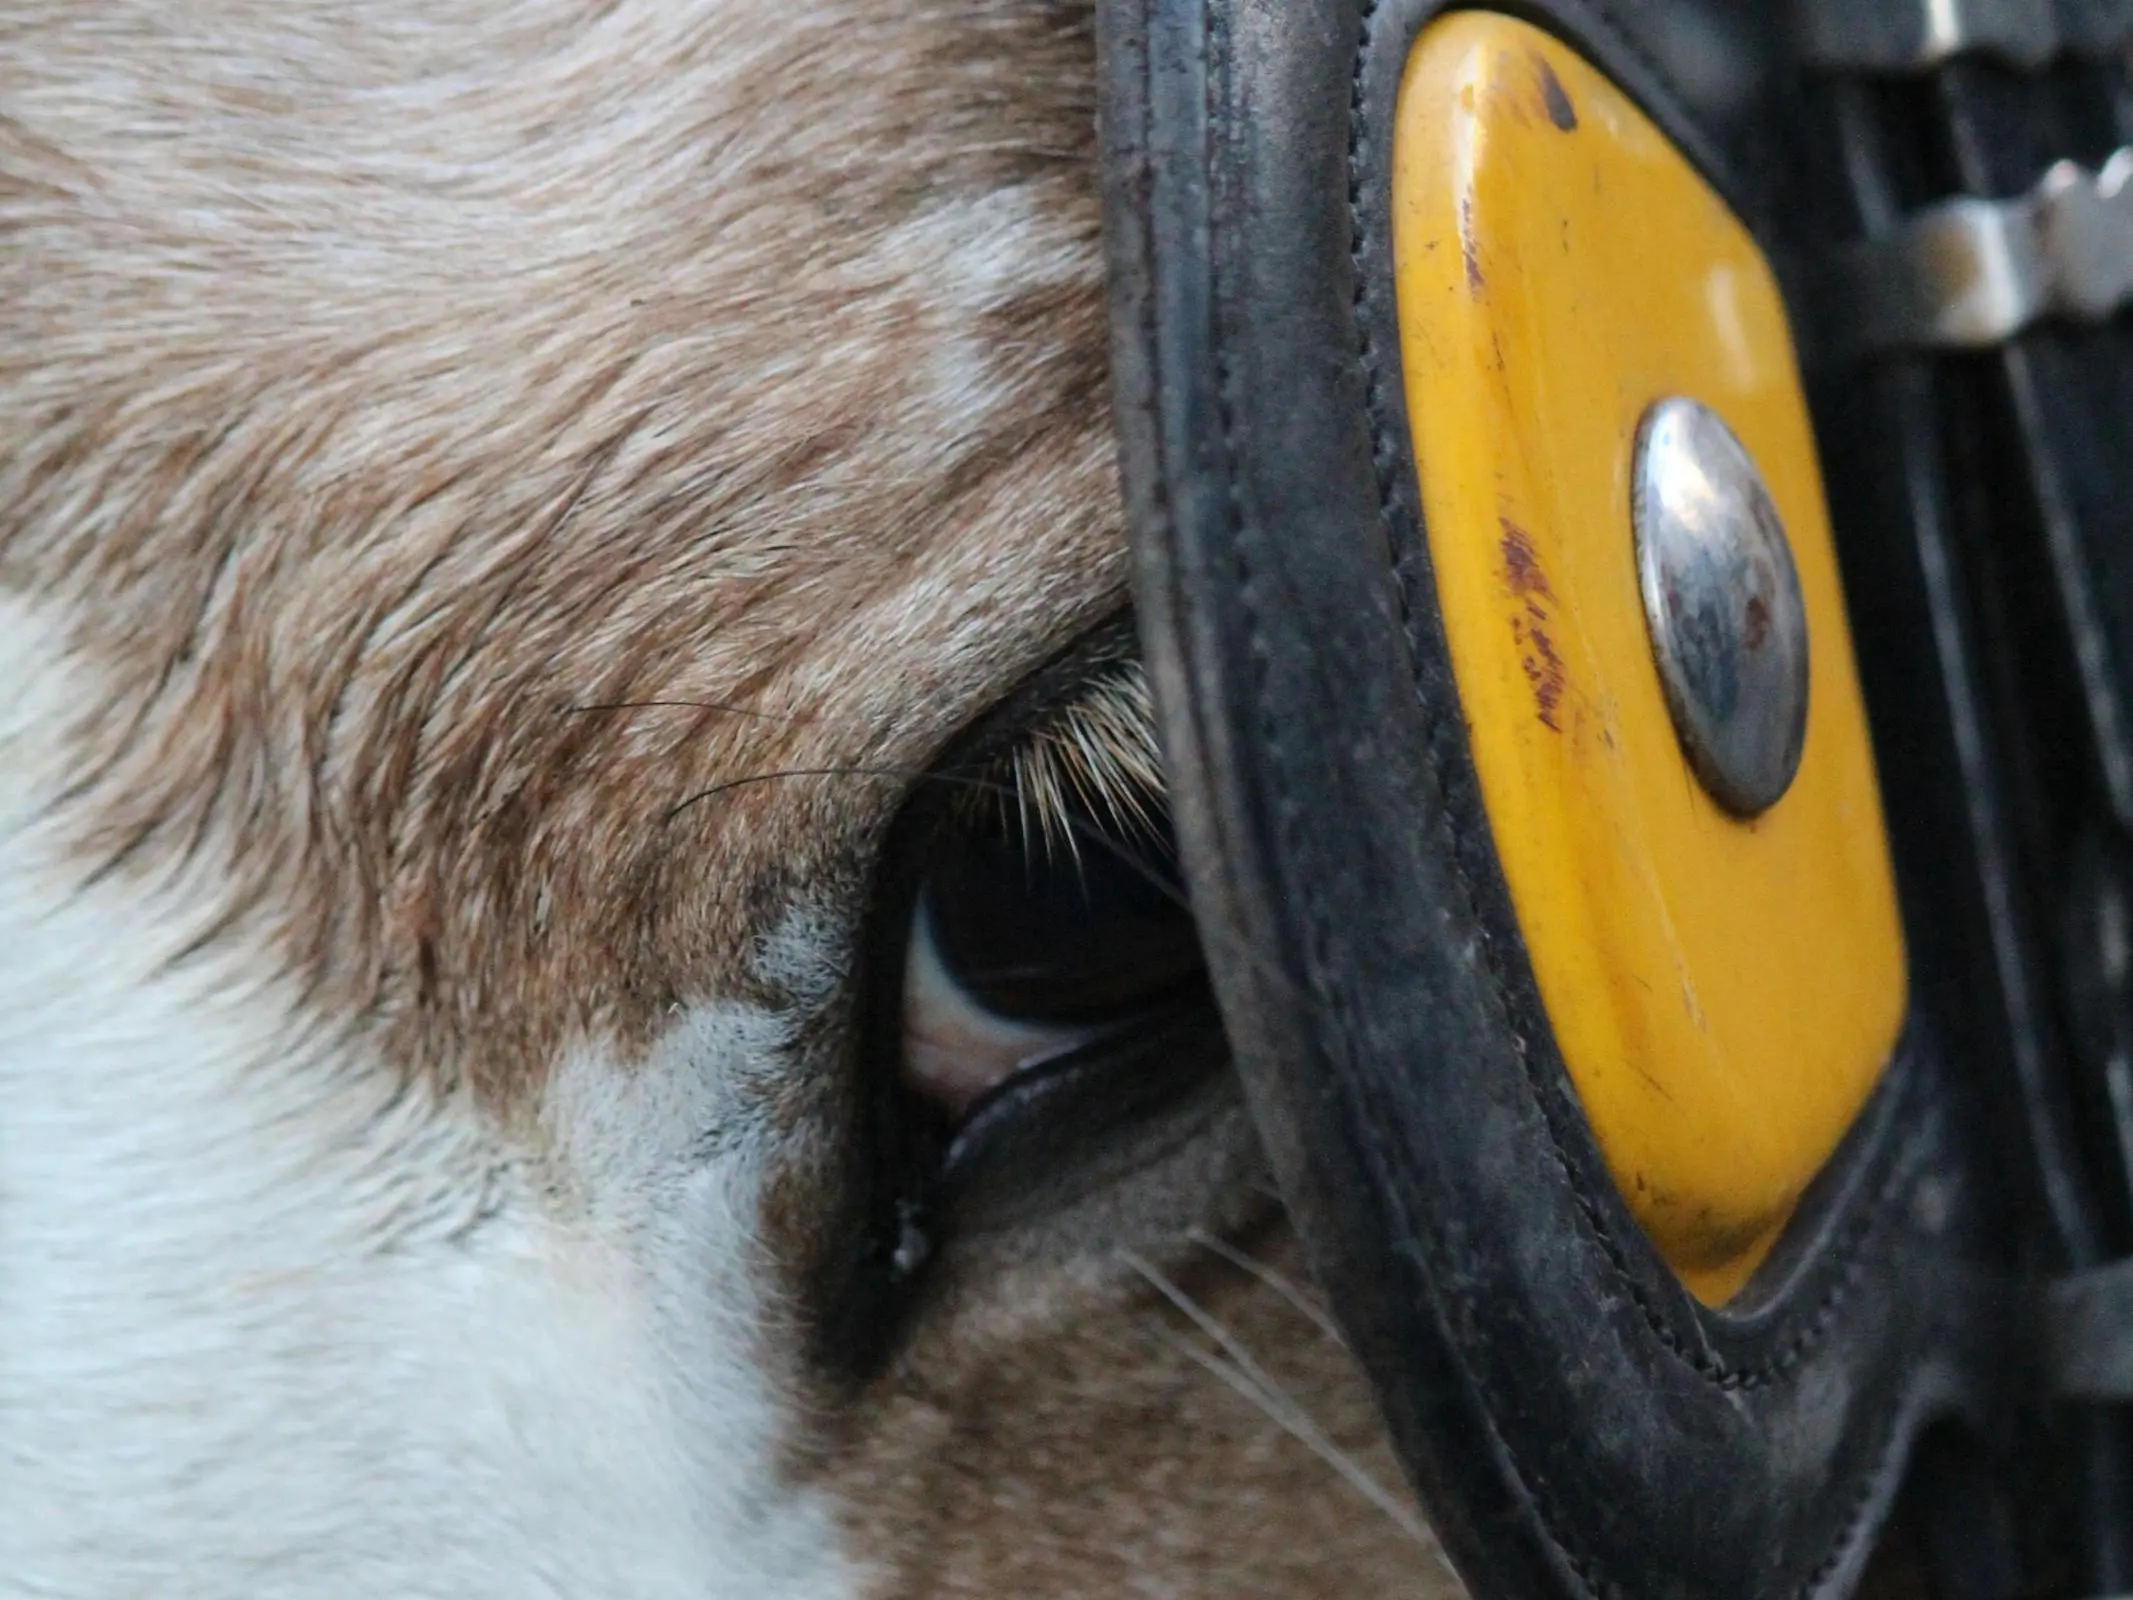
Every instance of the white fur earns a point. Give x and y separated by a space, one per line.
271 1324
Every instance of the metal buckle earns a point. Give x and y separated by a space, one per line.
1863 36
1969 273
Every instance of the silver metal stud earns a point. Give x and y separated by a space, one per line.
1722 599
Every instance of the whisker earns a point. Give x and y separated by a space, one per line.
1252 1382
1203 1319
1280 1282
894 774
1309 1437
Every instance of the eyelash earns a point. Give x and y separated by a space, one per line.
1065 830
1048 852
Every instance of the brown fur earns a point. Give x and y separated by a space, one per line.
480 453
1111 1451
483 447
382 408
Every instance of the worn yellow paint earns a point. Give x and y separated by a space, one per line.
1724 993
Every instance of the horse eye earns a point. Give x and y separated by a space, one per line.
1028 943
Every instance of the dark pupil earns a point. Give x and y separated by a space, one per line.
1034 933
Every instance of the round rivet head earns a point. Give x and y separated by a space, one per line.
1722 599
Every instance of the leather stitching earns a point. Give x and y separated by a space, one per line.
1317 954
1383 463
1851 1251
1387 458
1855 1512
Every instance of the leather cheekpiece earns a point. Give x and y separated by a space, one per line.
1575 1422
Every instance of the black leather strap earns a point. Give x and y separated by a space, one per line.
1577 1424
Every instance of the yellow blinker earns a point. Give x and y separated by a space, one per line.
1725 993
